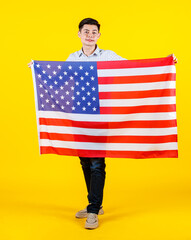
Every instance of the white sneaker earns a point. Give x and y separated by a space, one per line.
91 221
83 213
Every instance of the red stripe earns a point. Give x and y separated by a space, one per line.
138 109
109 125
115 154
137 79
155 62
138 94
108 139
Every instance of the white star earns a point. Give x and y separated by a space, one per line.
53 106
83 98
72 88
41 95
83 88
87 83
47 100
67 103
78 103
92 78
84 109
56 92
94 98
75 73
42 105
51 87
61 87
54 72
94 109
71 78
55 82
88 93
89 103
73 97
40 85
51 96
59 67
66 83
82 78
49 76
57 101
45 81
38 65
77 83
93 89
48 66
91 67
65 73
62 97
44 71
80 67
78 93
62 107
70 67
73 108
46 90
86 73
67 93
39 75
60 77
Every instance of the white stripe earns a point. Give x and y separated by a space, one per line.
109 132
136 71
137 102
110 146
136 86
107 117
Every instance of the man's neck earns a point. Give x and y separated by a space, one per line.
88 50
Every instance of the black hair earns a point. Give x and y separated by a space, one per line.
90 21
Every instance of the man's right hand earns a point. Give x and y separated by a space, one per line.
30 64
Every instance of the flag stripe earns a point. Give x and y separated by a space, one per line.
135 63
137 102
135 71
137 94
137 79
103 153
109 132
115 125
109 139
139 109
137 86
107 118
109 146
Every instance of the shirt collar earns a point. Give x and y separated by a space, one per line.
96 52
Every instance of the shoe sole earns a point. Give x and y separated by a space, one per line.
84 215
91 226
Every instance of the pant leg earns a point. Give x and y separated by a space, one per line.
97 181
85 163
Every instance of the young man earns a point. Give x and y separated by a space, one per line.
93 168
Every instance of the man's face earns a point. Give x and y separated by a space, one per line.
89 35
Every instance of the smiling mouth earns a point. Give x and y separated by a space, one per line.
89 40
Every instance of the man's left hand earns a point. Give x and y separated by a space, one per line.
174 58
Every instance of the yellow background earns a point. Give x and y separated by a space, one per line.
39 195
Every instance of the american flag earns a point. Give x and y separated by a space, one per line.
122 109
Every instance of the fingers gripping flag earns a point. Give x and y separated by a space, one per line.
124 109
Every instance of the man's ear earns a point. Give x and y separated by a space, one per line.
78 33
99 35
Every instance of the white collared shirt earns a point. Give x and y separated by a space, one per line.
97 55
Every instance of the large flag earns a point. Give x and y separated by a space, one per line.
122 109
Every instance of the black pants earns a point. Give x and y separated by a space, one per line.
94 174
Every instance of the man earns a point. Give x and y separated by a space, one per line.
93 168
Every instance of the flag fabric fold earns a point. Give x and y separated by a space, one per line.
122 109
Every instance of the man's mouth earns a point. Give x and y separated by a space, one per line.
89 40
